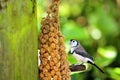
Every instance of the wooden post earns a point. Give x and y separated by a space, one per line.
18 40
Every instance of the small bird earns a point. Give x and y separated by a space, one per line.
80 54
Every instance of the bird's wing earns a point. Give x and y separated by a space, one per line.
83 53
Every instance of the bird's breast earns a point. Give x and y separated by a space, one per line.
79 57
72 49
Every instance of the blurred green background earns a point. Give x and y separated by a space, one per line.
96 24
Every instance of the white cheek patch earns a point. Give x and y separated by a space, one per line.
73 44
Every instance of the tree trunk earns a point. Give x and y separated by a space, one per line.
18 40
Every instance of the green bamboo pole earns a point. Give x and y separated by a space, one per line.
18 40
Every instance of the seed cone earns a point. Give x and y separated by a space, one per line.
54 64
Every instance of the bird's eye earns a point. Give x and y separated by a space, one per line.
73 41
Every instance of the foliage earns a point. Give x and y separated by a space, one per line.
95 23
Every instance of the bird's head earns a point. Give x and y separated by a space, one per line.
74 43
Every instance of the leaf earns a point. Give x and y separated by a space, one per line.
73 31
106 55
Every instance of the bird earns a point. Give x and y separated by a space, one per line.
81 55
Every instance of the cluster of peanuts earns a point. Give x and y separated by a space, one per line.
54 64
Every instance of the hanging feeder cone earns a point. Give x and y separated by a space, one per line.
54 64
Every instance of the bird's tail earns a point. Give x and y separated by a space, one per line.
96 66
